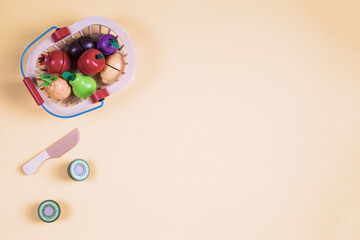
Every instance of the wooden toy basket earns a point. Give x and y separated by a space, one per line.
93 27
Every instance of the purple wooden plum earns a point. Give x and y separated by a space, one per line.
79 46
107 44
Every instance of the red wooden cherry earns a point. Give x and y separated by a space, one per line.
56 62
91 62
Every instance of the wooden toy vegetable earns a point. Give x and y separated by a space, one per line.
91 62
114 67
56 61
107 44
80 45
82 86
55 86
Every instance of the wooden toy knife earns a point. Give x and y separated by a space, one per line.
56 150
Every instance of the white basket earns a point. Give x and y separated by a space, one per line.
93 27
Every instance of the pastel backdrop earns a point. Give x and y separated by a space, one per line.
242 122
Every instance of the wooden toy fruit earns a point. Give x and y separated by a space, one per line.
114 67
107 44
56 61
91 62
82 86
93 27
49 211
80 45
79 170
55 86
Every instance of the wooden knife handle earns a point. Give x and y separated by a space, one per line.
31 166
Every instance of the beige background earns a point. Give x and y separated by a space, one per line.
242 122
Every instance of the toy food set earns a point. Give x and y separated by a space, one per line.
49 211
79 66
79 170
56 150
67 73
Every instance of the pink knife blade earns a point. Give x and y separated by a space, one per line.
56 150
64 144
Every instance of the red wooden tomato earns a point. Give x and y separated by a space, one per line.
56 62
91 62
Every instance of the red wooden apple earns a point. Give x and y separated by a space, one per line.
91 62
